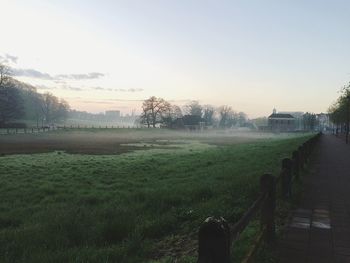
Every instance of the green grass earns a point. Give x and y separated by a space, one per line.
58 207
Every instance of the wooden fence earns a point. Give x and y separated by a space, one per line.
216 236
4 131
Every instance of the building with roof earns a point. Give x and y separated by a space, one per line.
281 122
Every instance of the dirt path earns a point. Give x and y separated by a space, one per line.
319 230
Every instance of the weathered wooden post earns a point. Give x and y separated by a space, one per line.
296 164
301 157
286 178
308 148
214 241
268 186
304 147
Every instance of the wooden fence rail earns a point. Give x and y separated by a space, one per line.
7 131
216 235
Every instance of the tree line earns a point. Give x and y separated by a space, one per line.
158 111
339 110
21 102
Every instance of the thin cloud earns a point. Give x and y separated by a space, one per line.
11 58
97 88
7 58
97 102
91 75
135 90
44 87
118 90
31 73
67 87
125 100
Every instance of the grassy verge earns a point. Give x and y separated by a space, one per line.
58 207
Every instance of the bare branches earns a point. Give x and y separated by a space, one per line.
5 75
153 109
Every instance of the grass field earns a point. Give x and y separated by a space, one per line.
126 195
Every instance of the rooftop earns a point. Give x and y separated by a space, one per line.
281 115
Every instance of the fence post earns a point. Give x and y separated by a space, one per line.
301 157
306 154
268 185
286 178
214 241
308 149
296 164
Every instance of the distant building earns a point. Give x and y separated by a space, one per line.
298 116
188 122
281 122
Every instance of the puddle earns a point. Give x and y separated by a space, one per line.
318 218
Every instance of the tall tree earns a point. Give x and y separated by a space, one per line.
227 116
53 109
208 114
174 112
339 110
4 75
11 104
309 121
153 109
193 108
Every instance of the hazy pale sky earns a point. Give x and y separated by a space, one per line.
252 55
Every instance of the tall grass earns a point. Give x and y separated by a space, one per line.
57 207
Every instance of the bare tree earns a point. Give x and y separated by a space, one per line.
5 75
11 102
153 109
208 114
193 108
145 118
174 112
227 116
53 109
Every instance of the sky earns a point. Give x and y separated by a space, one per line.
251 55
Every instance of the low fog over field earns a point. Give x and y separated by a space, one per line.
115 141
